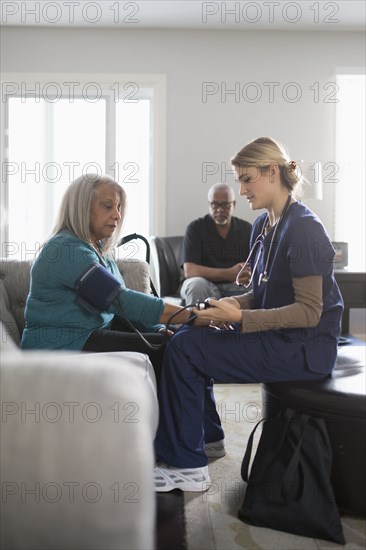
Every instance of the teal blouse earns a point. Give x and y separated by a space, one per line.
53 317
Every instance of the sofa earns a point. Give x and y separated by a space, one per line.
77 436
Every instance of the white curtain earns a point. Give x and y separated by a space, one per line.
350 157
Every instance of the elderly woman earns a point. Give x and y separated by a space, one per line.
87 228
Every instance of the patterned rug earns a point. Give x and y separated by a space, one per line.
211 517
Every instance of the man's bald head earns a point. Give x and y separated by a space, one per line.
221 198
221 188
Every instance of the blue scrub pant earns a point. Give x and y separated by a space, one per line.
194 358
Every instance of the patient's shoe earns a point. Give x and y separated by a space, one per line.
167 478
216 449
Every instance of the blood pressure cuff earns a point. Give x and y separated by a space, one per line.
97 288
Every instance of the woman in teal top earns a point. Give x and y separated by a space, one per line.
87 228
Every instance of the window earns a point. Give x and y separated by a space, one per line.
53 136
350 157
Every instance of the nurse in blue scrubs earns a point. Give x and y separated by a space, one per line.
285 328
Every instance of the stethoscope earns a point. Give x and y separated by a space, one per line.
258 248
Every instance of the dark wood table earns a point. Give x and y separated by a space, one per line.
352 285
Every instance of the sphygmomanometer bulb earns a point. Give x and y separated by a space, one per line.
202 305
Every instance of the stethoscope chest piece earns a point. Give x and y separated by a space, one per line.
263 278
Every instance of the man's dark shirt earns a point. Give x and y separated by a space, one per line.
203 245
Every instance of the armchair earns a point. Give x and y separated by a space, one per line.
166 256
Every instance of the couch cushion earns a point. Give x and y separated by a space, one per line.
77 451
14 288
136 274
7 343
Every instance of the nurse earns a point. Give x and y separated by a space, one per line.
285 328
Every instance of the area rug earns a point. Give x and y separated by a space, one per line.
211 517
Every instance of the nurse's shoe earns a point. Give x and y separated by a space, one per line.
216 449
167 478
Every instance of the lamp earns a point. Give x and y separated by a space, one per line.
311 187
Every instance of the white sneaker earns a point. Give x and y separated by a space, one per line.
216 449
167 478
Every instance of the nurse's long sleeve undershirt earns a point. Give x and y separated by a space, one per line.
305 312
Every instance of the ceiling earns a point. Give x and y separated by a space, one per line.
188 14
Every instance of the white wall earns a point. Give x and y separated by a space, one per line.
210 132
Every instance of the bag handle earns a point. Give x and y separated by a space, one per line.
248 453
294 463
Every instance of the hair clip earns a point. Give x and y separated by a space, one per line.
292 165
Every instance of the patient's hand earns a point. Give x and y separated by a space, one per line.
167 332
244 277
231 300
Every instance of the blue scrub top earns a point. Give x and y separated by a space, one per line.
301 247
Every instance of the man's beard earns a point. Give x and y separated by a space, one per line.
221 221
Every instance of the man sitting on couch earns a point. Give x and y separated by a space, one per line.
214 249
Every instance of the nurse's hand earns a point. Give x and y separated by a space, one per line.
220 312
231 300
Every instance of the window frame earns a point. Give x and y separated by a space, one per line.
109 83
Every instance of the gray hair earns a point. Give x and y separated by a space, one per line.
74 213
221 187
